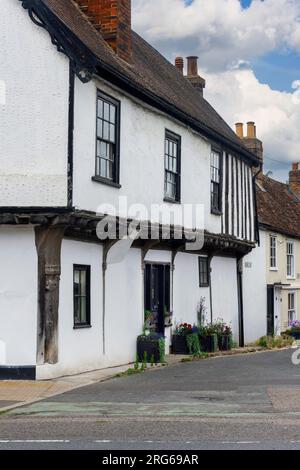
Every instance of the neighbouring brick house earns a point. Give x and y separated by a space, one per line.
272 270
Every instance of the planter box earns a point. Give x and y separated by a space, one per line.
224 343
179 345
151 347
208 343
296 335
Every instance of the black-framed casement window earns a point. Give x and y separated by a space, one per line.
216 181
82 295
108 139
203 271
172 167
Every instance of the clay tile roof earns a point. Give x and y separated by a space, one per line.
150 71
278 208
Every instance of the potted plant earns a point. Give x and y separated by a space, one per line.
208 338
179 343
151 346
224 333
295 329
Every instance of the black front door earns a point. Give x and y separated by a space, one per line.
270 311
157 295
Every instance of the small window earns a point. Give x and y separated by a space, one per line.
290 250
291 307
172 167
81 282
108 130
203 271
216 189
273 252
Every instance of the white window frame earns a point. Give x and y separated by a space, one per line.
290 255
273 256
292 312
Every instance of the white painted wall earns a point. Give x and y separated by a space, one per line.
187 292
82 349
34 118
141 159
255 292
18 296
224 291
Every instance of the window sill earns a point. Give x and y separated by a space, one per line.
81 327
202 286
99 179
291 278
171 201
274 269
216 212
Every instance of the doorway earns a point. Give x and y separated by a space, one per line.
157 295
270 310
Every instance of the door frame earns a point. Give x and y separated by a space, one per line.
163 291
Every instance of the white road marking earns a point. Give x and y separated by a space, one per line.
33 441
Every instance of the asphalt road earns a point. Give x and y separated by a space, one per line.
233 402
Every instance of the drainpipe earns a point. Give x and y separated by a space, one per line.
240 300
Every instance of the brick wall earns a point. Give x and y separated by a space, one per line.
113 19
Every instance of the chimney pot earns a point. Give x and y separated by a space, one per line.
179 64
192 66
251 130
240 129
295 166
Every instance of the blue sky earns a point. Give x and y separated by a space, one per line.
249 56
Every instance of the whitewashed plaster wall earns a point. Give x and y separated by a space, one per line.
34 117
224 291
141 158
18 296
255 291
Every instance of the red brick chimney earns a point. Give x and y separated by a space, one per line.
179 64
193 76
113 19
294 180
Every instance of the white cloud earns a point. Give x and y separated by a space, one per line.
221 32
239 97
227 38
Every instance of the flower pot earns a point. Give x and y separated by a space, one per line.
208 343
150 347
179 345
224 342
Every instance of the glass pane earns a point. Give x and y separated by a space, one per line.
76 310
100 108
103 168
105 130
82 282
83 316
112 133
112 114
106 111
99 128
76 282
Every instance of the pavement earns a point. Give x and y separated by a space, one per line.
247 401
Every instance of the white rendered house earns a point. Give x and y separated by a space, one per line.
90 118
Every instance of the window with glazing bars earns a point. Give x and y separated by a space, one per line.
82 293
291 307
273 252
215 166
172 166
108 130
290 249
203 271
